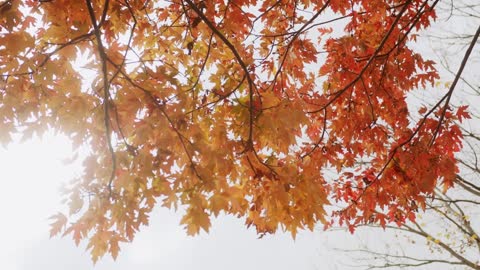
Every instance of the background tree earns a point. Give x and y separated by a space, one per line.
230 106
448 232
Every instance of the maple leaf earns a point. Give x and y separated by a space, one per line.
58 225
462 113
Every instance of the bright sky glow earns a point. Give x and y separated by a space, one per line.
31 176
32 173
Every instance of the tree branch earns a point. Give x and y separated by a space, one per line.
106 88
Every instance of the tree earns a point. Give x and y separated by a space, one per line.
230 106
449 226
448 230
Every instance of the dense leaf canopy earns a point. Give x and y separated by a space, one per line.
239 107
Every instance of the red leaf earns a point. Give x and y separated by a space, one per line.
462 113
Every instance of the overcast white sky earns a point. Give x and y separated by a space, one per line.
31 175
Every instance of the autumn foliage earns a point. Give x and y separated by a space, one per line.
238 107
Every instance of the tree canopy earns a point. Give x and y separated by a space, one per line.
239 107
448 229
